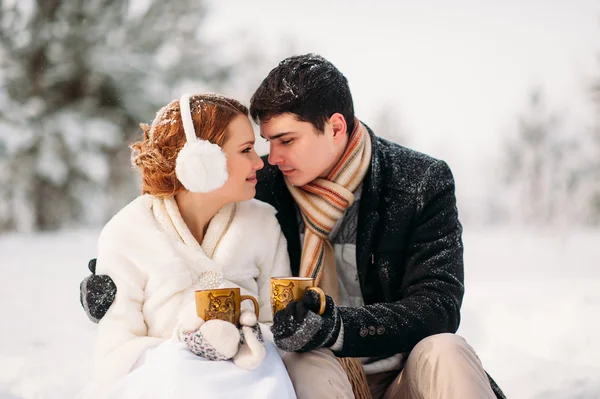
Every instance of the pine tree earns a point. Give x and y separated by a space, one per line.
76 77
594 167
541 168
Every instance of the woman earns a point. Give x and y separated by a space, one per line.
195 227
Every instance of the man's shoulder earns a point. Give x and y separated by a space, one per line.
403 168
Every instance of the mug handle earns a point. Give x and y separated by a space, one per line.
322 299
254 301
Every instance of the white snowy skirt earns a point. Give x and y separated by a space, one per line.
172 371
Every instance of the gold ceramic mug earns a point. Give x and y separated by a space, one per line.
289 289
222 304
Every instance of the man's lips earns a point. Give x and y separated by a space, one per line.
287 171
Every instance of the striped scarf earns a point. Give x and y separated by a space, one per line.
323 202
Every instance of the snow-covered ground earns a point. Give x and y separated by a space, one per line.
531 311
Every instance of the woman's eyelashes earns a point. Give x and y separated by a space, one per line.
247 150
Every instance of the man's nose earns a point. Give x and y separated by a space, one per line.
274 157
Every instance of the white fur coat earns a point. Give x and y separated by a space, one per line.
157 265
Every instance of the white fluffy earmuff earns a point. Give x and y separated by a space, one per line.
201 166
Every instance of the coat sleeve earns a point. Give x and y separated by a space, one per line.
432 285
122 332
274 263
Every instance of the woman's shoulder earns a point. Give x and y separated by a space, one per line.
126 236
133 218
257 216
255 208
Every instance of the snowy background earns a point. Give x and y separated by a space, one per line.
531 312
507 92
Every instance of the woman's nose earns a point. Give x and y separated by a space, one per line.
258 162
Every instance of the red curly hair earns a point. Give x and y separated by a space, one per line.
156 154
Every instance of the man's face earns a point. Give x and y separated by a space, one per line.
299 150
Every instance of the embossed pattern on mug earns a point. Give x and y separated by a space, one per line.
221 307
281 295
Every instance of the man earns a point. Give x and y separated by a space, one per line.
377 225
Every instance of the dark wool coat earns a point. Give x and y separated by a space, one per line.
409 251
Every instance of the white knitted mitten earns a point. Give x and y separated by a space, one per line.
214 340
252 352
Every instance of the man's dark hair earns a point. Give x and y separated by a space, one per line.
306 85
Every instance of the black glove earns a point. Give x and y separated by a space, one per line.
299 328
96 293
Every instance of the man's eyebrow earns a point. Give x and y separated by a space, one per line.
277 136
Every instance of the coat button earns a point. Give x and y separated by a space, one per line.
380 330
371 330
364 332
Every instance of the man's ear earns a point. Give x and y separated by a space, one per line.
339 126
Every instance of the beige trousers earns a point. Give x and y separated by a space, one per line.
439 366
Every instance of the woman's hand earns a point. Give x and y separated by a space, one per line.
214 340
252 351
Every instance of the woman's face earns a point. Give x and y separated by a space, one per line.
242 161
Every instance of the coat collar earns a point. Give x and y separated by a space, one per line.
368 216
167 215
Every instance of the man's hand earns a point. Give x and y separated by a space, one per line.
298 327
96 293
